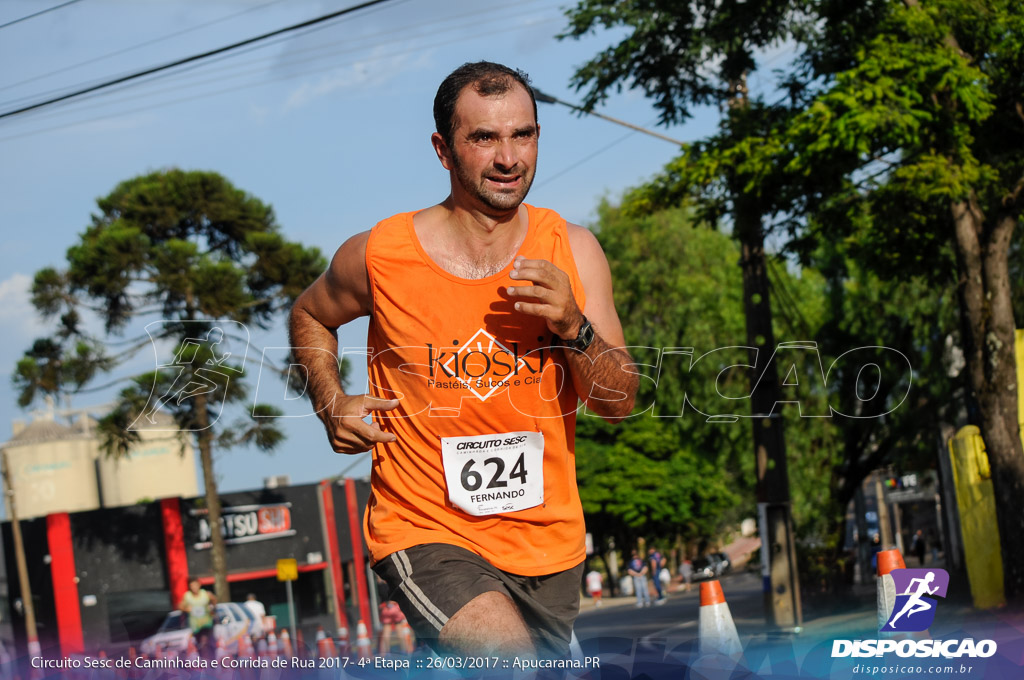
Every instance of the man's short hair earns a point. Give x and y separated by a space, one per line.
487 79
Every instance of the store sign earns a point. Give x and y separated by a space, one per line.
246 523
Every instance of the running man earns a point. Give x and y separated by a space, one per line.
197 381
490 319
914 603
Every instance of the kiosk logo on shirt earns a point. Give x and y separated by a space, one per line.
481 365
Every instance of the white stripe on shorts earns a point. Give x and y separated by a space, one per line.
416 596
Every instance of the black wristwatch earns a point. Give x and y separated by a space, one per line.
583 339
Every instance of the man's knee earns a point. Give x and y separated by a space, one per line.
489 623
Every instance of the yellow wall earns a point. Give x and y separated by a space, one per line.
977 504
1019 347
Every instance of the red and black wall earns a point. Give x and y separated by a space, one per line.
106 578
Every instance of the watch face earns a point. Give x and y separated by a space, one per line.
585 337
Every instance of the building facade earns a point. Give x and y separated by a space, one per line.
106 578
61 468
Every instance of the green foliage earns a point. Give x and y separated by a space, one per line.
894 110
195 250
655 475
928 109
189 242
184 245
680 54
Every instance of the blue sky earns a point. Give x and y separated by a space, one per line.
330 126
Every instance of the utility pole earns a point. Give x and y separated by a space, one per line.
778 547
19 556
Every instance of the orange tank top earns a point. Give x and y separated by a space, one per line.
485 456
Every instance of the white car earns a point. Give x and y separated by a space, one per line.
230 624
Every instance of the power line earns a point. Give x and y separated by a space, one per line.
222 90
235 71
576 164
42 11
196 57
145 43
178 72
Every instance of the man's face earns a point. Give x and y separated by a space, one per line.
494 147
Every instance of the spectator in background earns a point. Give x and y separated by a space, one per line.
638 570
656 562
258 611
876 547
595 586
686 571
918 547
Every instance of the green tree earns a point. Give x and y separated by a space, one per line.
208 260
930 108
679 467
684 54
665 470
898 136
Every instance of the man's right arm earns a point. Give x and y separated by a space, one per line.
338 296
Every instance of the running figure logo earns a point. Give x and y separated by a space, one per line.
913 610
201 363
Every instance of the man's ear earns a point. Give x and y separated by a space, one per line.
442 150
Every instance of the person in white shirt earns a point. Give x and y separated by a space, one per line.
258 611
595 586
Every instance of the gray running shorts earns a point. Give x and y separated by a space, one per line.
431 582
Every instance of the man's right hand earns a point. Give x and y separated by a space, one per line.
346 430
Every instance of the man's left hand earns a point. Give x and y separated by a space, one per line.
550 296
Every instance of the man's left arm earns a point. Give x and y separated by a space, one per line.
603 374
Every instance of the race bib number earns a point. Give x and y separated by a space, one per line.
494 473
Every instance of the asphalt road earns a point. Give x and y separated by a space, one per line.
677 618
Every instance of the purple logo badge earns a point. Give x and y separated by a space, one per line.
913 610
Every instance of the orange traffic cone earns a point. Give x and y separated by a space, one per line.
324 644
191 653
34 649
264 650
716 630
300 644
405 632
245 648
363 645
343 646
272 645
132 656
887 561
286 644
222 650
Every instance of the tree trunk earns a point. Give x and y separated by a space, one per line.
218 554
985 304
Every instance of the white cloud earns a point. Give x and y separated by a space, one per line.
374 71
